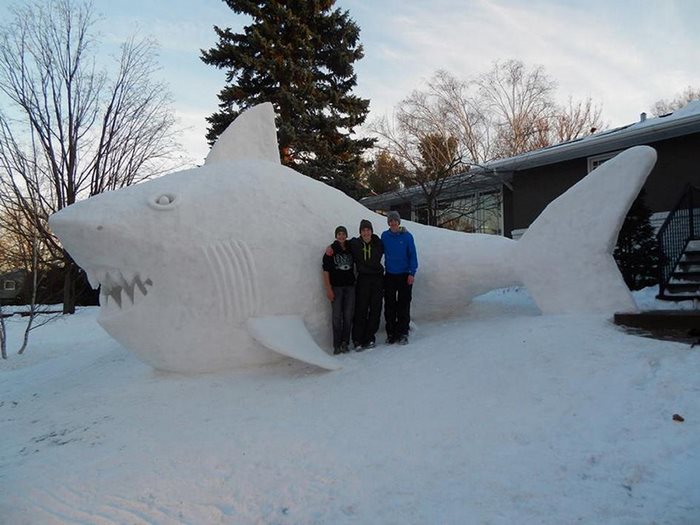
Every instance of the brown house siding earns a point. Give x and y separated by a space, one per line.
677 165
535 188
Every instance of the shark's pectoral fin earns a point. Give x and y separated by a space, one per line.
287 335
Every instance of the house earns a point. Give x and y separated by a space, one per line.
13 287
507 195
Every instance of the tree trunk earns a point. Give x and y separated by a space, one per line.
35 286
3 338
432 212
69 285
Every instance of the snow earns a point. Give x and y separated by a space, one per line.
189 262
565 257
500 416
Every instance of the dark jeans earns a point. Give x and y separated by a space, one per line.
343 309
397 304
368 307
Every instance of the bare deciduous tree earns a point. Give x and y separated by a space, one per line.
663 107
418 136
520 106
452 125
75 131
576 119
22 249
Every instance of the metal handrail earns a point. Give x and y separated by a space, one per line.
680 227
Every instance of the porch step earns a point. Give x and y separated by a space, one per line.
684 284
660 319
679 296
690 276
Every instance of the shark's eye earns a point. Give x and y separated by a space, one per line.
164 201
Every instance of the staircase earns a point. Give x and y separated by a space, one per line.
679 248
679 276
684 282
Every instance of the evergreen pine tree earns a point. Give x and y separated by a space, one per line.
299 55
636 252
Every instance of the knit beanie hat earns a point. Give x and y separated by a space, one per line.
341 229
364 223
393 216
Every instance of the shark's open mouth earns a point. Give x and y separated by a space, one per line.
119 289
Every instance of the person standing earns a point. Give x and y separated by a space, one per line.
401 262
339 282
367 251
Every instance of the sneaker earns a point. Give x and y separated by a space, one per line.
371 344
403 340
390 340
337 350
343 348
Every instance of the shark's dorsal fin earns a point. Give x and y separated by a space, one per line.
252 136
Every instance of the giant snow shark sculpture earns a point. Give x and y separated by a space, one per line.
219 266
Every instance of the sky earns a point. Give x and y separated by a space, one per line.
624 54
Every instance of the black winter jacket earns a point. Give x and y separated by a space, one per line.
368 257
339 265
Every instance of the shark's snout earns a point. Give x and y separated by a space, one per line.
74 228
96 249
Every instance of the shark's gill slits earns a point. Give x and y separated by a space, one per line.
252 280
121 290
231 265
217 269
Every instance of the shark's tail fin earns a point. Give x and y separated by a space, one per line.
565 257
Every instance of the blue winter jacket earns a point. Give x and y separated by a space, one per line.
399 252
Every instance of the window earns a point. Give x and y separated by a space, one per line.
475 213
9 285
597 160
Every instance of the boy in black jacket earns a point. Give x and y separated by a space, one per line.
367 251
339 281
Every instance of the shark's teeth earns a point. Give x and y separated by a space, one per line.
92 279
101 276
142 285
121 289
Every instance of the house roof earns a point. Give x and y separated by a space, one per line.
684 121
476 179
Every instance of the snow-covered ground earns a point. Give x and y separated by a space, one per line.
501 417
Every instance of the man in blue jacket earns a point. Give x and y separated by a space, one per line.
401 263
